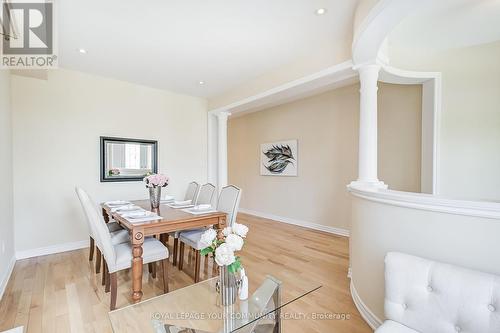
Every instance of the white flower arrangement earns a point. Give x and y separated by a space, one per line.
224 248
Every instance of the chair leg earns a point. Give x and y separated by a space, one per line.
98 261
112 304
181 256
164 268
152 269
107 278
197 267
91 251
103 274
176 248
164 239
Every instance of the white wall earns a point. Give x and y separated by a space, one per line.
7 218
57 124
469 141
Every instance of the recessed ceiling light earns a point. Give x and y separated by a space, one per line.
201 83
82 51
321 11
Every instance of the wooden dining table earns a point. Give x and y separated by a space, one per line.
171 219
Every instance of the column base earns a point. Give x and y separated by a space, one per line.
369 185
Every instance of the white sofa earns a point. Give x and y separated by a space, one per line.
423 296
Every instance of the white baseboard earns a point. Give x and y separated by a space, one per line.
43 251
305 224
5 279
371 319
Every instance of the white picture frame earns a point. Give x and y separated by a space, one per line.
279 158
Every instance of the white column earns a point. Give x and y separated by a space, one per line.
212 170
222 149
367 167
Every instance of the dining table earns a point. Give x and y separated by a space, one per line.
169 220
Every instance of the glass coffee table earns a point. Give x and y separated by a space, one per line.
197 309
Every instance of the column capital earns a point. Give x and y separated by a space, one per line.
223 114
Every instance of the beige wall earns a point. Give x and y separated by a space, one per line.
326 127
7 218
57 124
400 136
469 139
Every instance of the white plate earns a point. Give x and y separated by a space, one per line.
128 209
138 215
201 208
117 203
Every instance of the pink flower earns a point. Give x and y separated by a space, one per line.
156 180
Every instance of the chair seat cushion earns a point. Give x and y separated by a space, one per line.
176 234
113 226
153 250
120 236
192 238
390 326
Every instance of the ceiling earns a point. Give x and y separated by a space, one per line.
174 45
449 24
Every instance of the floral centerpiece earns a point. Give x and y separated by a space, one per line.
223 248
154 182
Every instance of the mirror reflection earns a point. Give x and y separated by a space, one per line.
127 159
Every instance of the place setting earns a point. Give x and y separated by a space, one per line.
200 209
131 212
179 204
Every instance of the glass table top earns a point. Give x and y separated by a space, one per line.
198 309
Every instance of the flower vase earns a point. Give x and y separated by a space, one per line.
228 286
155 196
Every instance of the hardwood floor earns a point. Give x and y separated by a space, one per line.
62 293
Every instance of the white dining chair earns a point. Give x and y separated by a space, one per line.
119 256
229 201
117 233
112 227
191 194
192 191
205 195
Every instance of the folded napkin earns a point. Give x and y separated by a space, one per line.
198 212
182 203
126 208
117 203
173 205
202 207
146 219
140 216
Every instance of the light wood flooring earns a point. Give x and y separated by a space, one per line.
62 293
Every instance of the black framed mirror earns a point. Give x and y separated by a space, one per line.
125 159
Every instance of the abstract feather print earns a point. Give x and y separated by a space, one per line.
279 158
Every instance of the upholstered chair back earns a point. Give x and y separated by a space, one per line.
229 201
192 191
85 201
98 227
206 194
432 297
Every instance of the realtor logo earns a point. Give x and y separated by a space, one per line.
28 35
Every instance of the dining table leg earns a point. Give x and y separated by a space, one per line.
221 224
105 215
137 242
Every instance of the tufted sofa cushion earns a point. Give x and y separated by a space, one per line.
432 297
